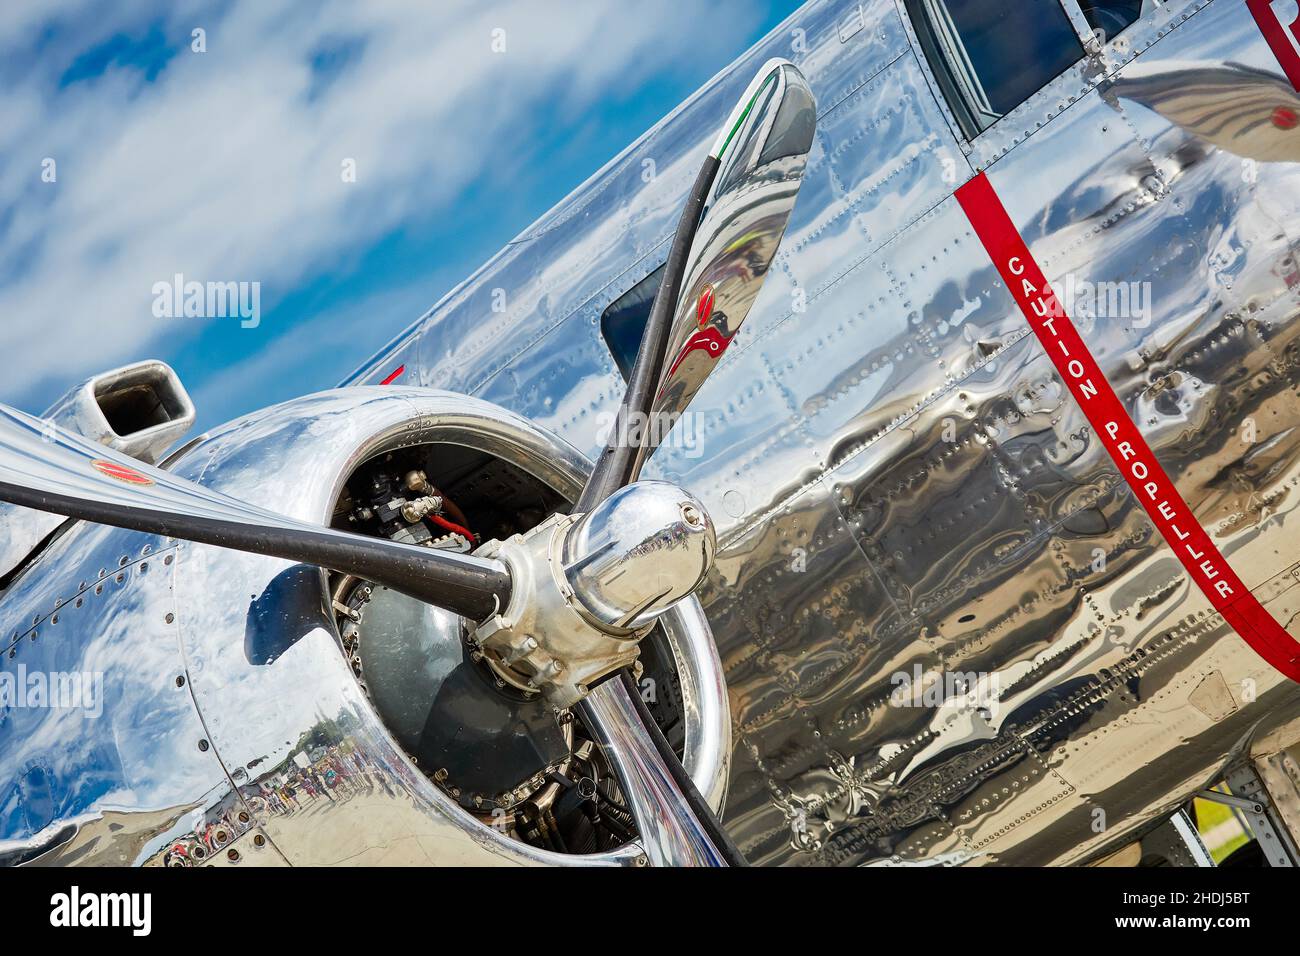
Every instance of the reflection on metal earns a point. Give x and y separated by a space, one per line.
21 532
745 218
638 553
669 831
140 409
56 470
587 588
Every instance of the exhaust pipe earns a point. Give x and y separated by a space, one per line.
140 409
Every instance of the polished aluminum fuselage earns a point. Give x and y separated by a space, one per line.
900 482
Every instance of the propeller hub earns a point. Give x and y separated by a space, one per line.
638 552
587 588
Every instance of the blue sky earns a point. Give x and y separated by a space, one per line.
226 165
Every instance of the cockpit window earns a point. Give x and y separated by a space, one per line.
989 56
1108 18
623 322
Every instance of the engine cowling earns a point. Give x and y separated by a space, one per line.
247 681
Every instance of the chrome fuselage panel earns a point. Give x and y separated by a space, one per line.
902 484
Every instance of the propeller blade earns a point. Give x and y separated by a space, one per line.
50 469
757 184
748 185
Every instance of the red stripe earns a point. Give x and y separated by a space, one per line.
1275 32
1119 434
393 375
121 472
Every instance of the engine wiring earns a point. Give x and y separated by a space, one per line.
448 525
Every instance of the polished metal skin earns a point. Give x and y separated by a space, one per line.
950 635
731 222
637 553
903 490
148 394
227 718
21 532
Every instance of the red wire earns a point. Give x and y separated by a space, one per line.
446 525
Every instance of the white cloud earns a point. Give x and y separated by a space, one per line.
225 169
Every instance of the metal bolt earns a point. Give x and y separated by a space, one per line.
691 515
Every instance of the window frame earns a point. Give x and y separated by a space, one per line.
964 127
